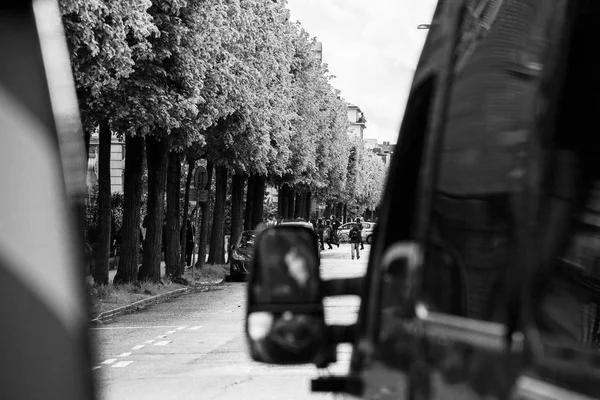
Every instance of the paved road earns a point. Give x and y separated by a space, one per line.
194 347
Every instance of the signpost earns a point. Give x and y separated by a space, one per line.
200 177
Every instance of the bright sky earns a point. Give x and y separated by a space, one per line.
372 47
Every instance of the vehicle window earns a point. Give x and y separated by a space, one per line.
247 240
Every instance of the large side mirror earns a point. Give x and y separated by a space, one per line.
285 321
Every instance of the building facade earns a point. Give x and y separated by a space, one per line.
117 164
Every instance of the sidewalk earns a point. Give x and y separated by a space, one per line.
113 272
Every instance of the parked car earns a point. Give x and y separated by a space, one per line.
367 231
241 255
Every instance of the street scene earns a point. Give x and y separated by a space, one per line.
298 199
194 346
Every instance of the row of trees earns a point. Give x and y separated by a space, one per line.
232 82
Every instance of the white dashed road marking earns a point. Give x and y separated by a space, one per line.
160 337
169 332
124 355
130 327
109 361
122 364
95 368
163 343
149 341
181 327
139 346
195 328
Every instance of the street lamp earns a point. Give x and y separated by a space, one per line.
424 26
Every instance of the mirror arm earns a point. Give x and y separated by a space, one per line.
342 333
340 287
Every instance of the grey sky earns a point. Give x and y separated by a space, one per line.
372 47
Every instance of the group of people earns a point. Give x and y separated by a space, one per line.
327 232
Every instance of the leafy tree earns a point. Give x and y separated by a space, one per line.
103 37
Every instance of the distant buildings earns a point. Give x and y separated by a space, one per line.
384 150
357 121
318 50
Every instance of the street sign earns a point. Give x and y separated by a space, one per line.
200 177
202 196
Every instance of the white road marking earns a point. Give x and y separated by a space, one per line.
163 343
160 337
139 346
195 328
169 332
95 368
122 364
109 361
131 327
124 355
149 341
181 327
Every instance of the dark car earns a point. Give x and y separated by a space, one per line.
241 255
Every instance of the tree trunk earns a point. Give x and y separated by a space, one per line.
237 208
205 209
259 200
307 204
157 160
87 136
282 208
339 210
172 242
215 254
186 208
104 210
299 205
132 197
345 213
249 203
291 201
327 212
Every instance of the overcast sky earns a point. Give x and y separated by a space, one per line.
372 47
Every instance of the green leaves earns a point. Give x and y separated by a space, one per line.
232 80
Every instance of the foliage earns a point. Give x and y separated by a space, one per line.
105 38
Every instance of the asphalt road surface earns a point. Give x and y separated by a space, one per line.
194 347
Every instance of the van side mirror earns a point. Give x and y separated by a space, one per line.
285 322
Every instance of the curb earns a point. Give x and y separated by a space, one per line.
106 315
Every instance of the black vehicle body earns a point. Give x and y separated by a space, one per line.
241 256
471 291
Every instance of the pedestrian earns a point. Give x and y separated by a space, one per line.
335 225
189 241
362 246
319 229
227 238
354 241
327 234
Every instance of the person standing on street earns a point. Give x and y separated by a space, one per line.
327 233
319 229
354 241
362 246
335 225
189 242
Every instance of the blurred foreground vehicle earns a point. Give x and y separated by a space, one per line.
44 344
483 282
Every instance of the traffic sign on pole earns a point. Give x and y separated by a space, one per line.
202 196
200 177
